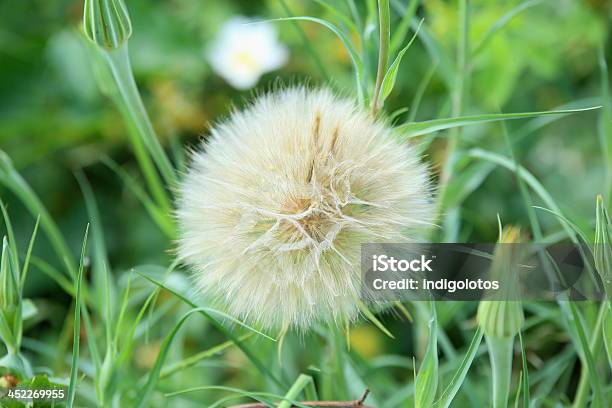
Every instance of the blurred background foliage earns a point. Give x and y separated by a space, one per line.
54 120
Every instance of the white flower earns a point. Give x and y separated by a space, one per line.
274 208
243 52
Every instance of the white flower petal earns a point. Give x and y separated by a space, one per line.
243 52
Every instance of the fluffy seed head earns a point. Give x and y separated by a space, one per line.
274 208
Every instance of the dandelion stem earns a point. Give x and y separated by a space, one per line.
500 354
584 385
383 51
121 71
456 101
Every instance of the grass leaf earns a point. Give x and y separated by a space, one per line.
12 242
455 384
388 82
414 129
196 358
525 175
163 220
502 22
399 34
525 371
355 58
227 333
76 338
363 308
14 182
26 262
426 383
153 377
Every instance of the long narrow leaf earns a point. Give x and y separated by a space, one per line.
414 129
227 333
388 82
426 383
355 58
455 384
76 338
26 262
13 181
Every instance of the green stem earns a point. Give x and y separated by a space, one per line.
584 385
500 354
306 43
335 384
295 390
457 99
132 106
607 331
384 28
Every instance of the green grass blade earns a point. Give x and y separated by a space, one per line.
363 308
343 18
459 377
607 332
502 22
99 254
306 43
227 333
587 357
418 95
525 175
153 377
14 182
388 82
426 383
26 262
203 355
163 220
123 309
602 248
119 64
55 275
533 125
74 365
11 238
414 129
399 34
525 370
466 181
605 121
518 390
354 56
262 397
296 389
436 51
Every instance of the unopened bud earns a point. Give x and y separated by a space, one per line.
504 318
107 22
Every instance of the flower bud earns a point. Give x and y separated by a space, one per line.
504 318
107 22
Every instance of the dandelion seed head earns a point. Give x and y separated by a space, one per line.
275 206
